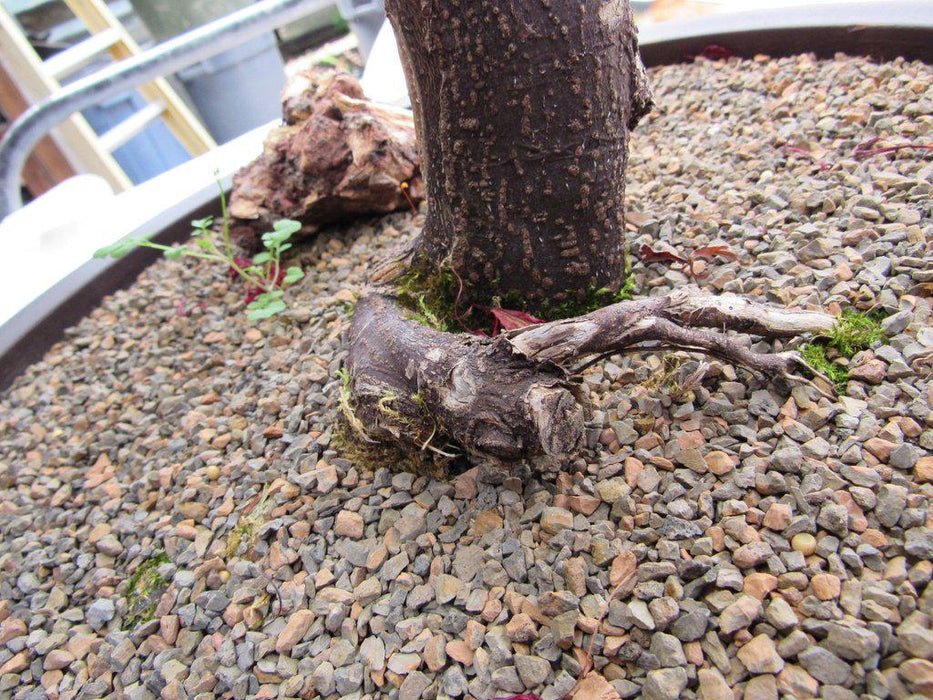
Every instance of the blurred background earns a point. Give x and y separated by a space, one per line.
150 155
227 95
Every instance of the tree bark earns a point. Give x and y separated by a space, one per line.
524 109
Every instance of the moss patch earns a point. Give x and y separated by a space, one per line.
346 404
855 332
852 333
387 455
590 300
814 354
144 589
429 294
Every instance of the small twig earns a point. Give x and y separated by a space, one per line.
816 387
865 149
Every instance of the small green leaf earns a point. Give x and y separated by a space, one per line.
266 298
118 249
253 270
287 227
292 275
203 224
174 253
265 311
284 247
260 258
204 243
281 232
272 241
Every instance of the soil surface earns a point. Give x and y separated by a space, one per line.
177 519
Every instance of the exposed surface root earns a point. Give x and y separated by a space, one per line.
513 397
455 389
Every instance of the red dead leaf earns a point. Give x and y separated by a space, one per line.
710 252
649 255
510 320
715 52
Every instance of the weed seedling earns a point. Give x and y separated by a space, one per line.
264 274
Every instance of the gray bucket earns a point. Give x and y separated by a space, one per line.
239 89
365 18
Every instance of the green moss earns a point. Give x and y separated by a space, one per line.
815 355
574 303
592 299
852 333
430 294
384 454
855 332
386 409
144 588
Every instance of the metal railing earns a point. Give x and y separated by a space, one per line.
168 57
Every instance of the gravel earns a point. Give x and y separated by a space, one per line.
178 518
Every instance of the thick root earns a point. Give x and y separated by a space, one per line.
437 392
671 321
513 397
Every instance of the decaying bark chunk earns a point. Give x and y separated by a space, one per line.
337 157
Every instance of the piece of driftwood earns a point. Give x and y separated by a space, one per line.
337 157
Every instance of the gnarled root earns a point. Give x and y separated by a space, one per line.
514 397
428 390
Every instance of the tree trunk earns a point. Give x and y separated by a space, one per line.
524 109
522 112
